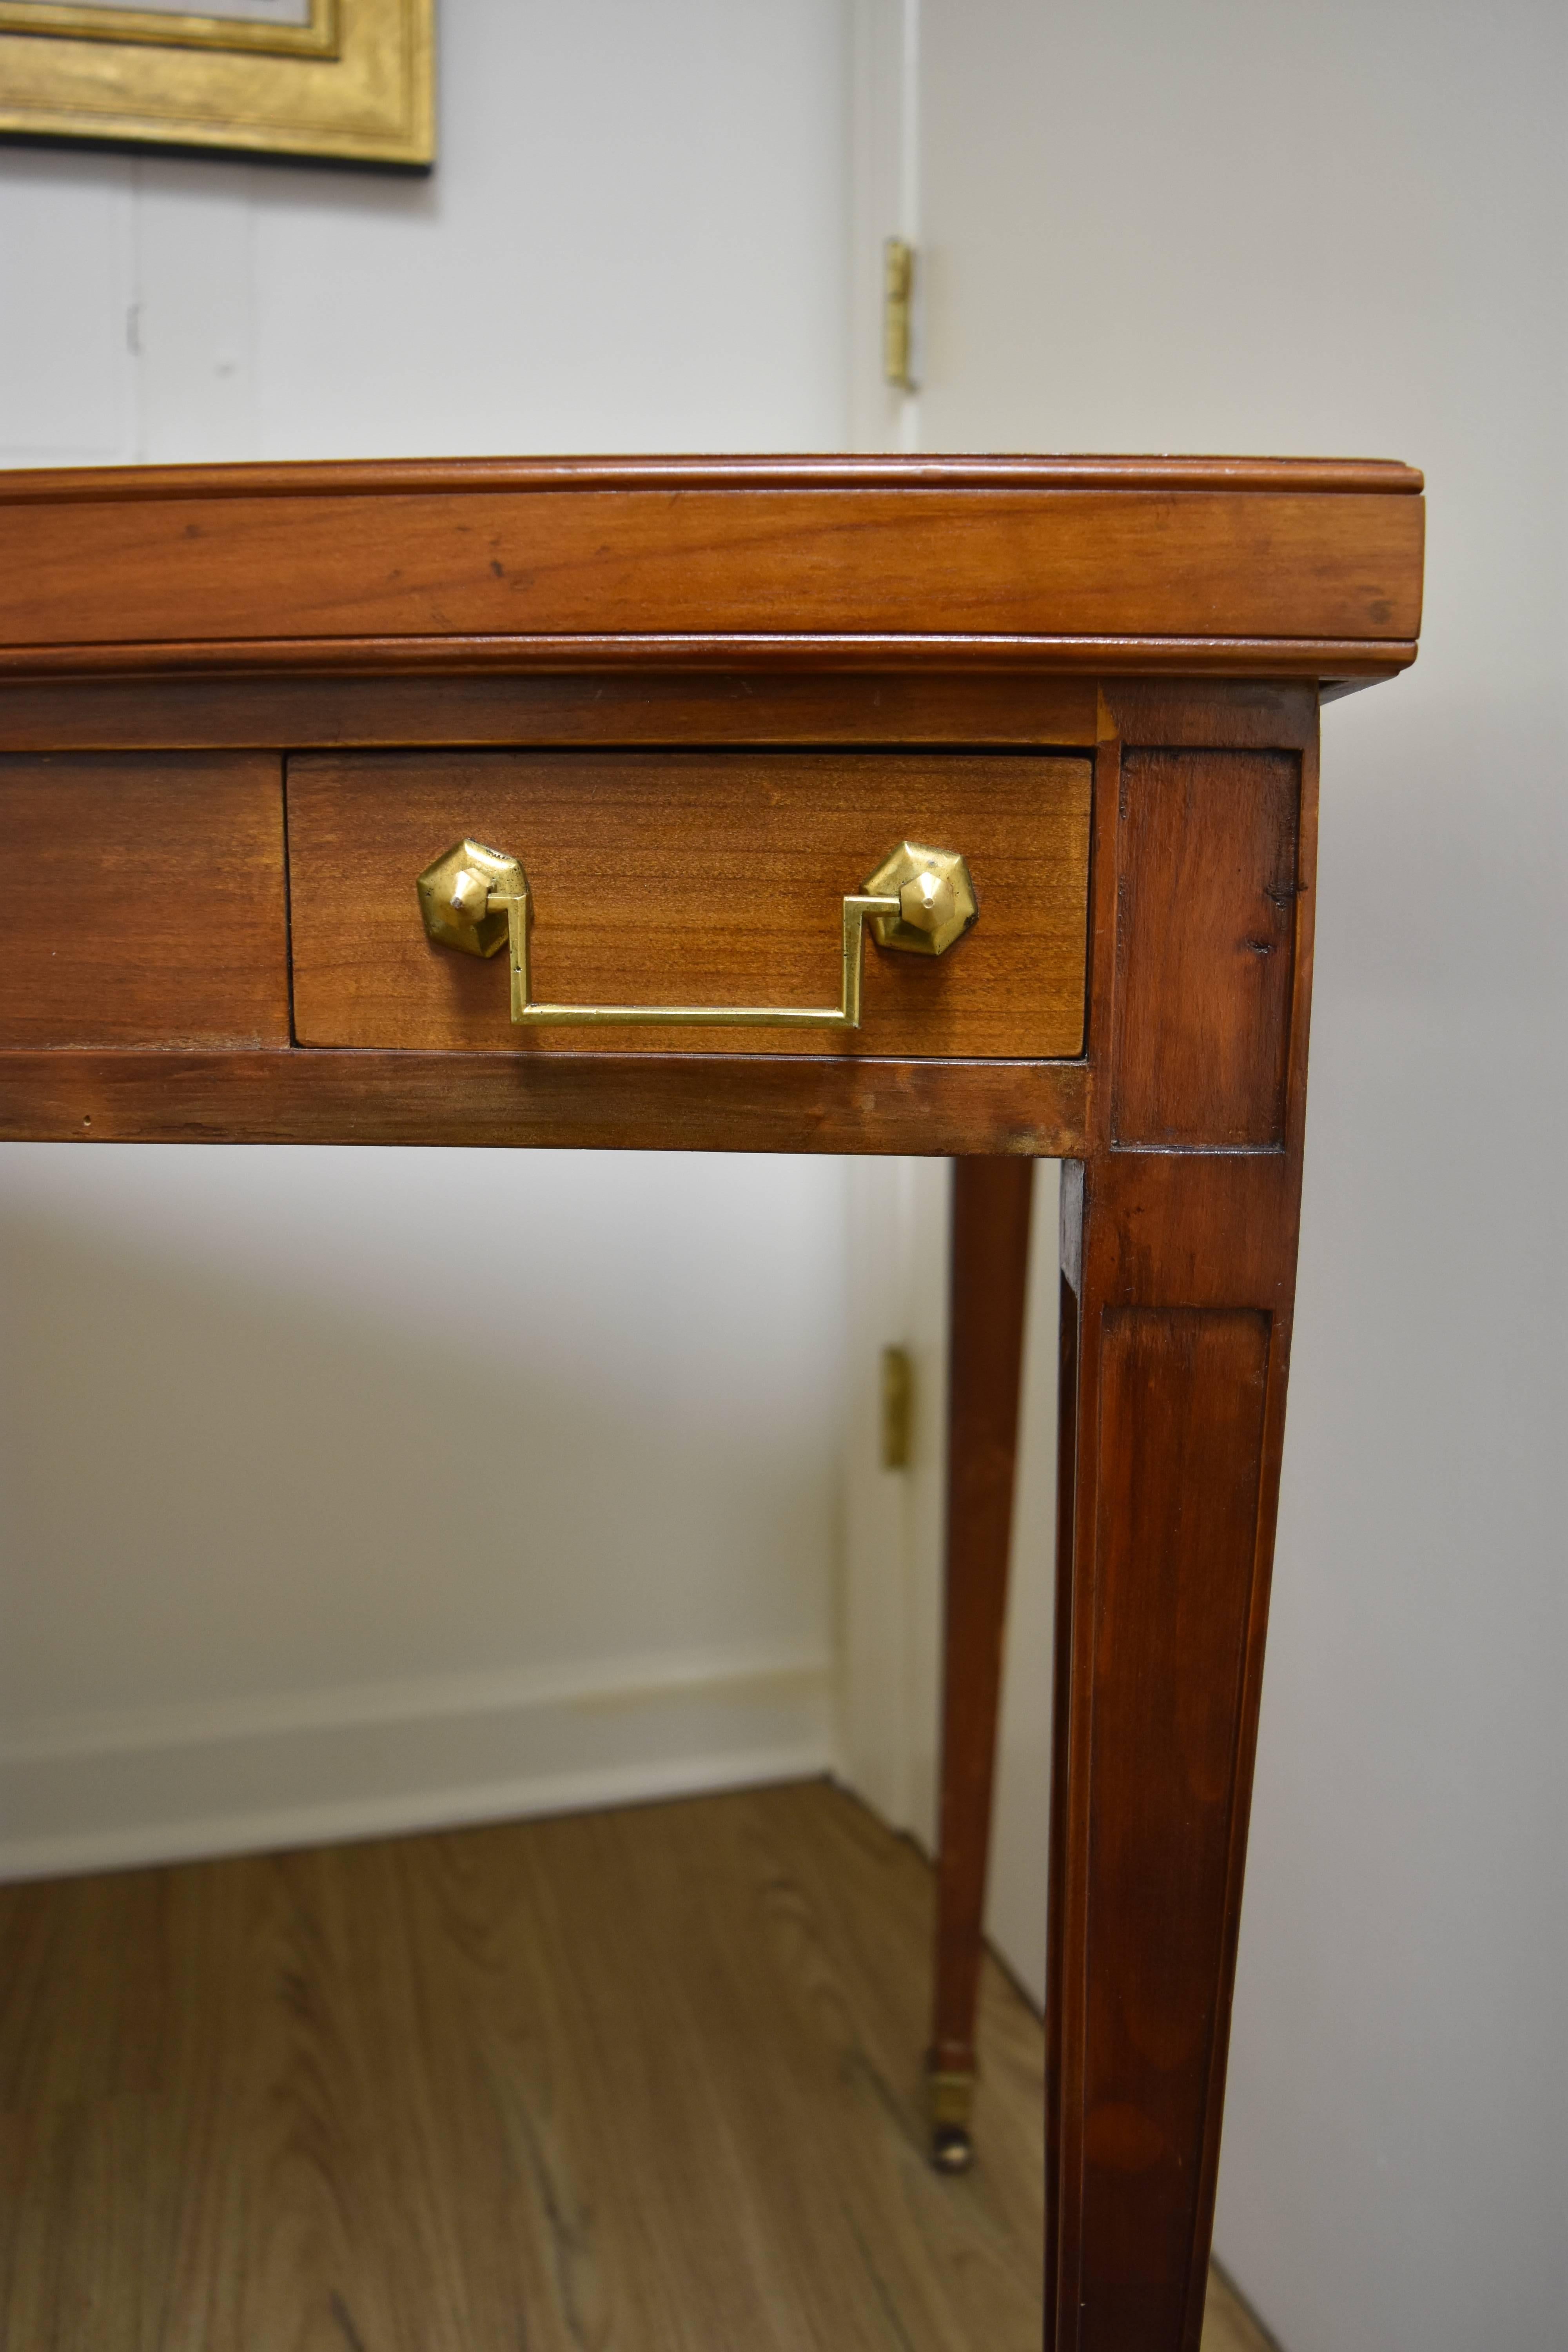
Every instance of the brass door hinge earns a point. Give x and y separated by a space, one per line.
897 313
897 1407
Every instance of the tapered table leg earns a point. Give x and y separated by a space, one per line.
991 1205
1179 1256
1177 1418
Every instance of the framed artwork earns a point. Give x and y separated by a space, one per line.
351 80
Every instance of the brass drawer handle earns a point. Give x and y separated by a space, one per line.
922 899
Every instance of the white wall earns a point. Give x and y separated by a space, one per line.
347 1489
633 239
896 1296
1230 224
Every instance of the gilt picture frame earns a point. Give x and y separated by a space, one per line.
348 81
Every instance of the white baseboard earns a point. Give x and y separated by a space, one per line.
112 1791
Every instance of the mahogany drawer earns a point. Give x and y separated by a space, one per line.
690 878
147 903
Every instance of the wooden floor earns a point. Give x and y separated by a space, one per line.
643 2081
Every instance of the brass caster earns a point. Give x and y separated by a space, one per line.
952 2149
951 2097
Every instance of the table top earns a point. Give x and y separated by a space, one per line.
1277 567
702 703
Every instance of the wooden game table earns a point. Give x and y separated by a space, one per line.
956 806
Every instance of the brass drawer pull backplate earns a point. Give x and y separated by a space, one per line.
477 899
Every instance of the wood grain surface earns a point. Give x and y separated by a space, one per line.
210 563
1339 664
581 1102
836 470
689 879
987 1294
644 2081
1021 709
1179 1261
1206 933
1182 1400
145 901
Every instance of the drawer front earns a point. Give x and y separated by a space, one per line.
694 878
146 905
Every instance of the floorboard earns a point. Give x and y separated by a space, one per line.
638 2081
